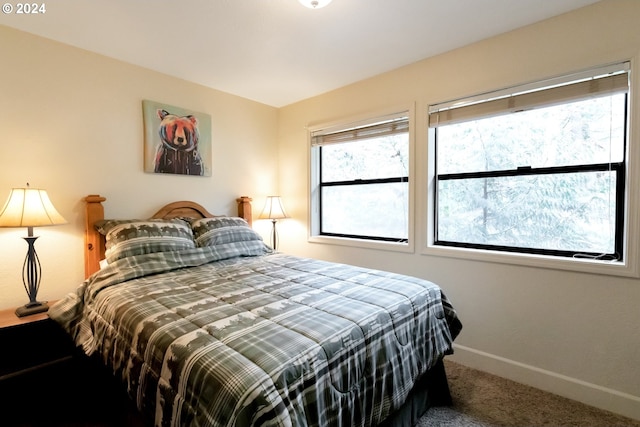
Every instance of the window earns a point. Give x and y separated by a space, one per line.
360 180
540 170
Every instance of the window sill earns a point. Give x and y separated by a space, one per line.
361 243
609 268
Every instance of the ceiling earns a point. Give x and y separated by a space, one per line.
278 52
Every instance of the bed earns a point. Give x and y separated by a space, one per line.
205 325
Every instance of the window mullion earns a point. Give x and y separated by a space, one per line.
525 171
395 180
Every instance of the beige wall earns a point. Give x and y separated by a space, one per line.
72 124
576 334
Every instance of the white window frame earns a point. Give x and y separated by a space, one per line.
629 267
314 235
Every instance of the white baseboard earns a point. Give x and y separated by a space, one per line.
591 394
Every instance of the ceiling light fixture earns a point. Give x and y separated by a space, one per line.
315 4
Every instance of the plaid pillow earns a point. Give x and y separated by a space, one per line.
221 230
126 238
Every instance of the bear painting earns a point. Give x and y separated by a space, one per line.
177 141
178 150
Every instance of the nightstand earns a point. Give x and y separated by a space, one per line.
45 381
36 356
30 343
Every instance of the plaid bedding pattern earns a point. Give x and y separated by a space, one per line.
208 337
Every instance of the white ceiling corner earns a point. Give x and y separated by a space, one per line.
278 52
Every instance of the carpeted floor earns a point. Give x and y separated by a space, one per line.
485 400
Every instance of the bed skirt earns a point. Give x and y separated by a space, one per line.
431 390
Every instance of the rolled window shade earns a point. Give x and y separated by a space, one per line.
595 87
390 127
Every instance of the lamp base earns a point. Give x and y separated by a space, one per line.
32 308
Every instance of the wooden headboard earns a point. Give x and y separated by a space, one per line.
95 243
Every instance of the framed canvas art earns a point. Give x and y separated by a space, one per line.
176 140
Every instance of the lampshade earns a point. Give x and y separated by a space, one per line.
273 209
29 207
315 4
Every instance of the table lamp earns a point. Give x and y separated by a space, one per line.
274 211
30 207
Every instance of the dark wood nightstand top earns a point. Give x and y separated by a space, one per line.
8 317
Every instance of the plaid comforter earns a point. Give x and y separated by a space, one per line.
211 337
